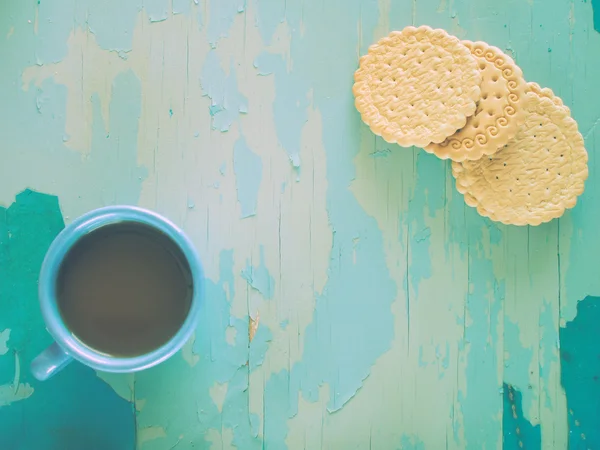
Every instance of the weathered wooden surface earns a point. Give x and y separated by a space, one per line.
385 313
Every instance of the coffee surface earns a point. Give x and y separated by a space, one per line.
124 290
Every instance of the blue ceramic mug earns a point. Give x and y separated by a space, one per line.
66 346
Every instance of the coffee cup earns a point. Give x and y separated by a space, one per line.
120 290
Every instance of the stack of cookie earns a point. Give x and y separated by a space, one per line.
516 152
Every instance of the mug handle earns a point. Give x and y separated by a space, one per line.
49 362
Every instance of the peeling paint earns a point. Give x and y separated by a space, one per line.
149 434
411 443
182 7
484 309
188 352
220 399
518 432
596 16
4 337
113 147
75 408
15 391
226 102
516 371
112 23
218 392
269 15
344 359
258 347
158 10
121 383
428 200
248 169
139 404
580 375
290 104
222 15
221 439
253 323
231 332
10 393
259 277
111 108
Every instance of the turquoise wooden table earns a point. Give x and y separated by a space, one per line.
353 300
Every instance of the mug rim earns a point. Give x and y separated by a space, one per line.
54 258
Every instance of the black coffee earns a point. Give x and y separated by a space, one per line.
124 289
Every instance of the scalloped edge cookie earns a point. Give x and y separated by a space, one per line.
500 111
547 92
500 186
416 86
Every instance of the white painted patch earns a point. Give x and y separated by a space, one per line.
139 404
220 440
4 337
230 334
17 376
187 351
217 394
8 393
15 391
149 434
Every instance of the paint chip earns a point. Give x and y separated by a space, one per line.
150 434
252 326
259 278
226 101
217 393
248 169
4 337
187 351
230 334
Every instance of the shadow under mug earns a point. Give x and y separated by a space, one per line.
66 346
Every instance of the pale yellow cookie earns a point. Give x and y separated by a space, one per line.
416 86
499 113
547 92
536 176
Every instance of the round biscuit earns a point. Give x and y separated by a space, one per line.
536 176
500 110
416 86
547 92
